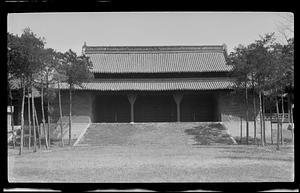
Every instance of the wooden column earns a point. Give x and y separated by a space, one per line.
131 98
178 98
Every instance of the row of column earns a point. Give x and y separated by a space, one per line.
132 99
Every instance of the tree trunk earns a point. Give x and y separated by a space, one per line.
43 116
60 114
29 119
12 120
261 123
37 126
33 122
271 120
22 121
254 114
241 130
49 123
292 120
70 115
247 123
289 108
277 109
282 119
291 117
48 110
263 118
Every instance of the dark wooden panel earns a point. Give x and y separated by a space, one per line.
155 109
110 109
199 108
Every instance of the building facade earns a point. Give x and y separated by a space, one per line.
155 84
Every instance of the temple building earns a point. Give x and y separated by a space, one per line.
149 84
155 84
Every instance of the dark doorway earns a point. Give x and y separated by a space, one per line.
110 109
198 108
155 109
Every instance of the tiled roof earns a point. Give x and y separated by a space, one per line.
157 59
156 84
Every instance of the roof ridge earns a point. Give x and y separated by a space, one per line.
152 48
162 79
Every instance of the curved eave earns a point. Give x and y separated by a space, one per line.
156 85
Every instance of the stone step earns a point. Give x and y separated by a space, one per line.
156 133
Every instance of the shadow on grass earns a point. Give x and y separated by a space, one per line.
289 159
251 141
210 134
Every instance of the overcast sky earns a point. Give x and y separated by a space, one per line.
64 31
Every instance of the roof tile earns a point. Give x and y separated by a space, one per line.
156 84
157 59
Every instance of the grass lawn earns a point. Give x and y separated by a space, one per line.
153 163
